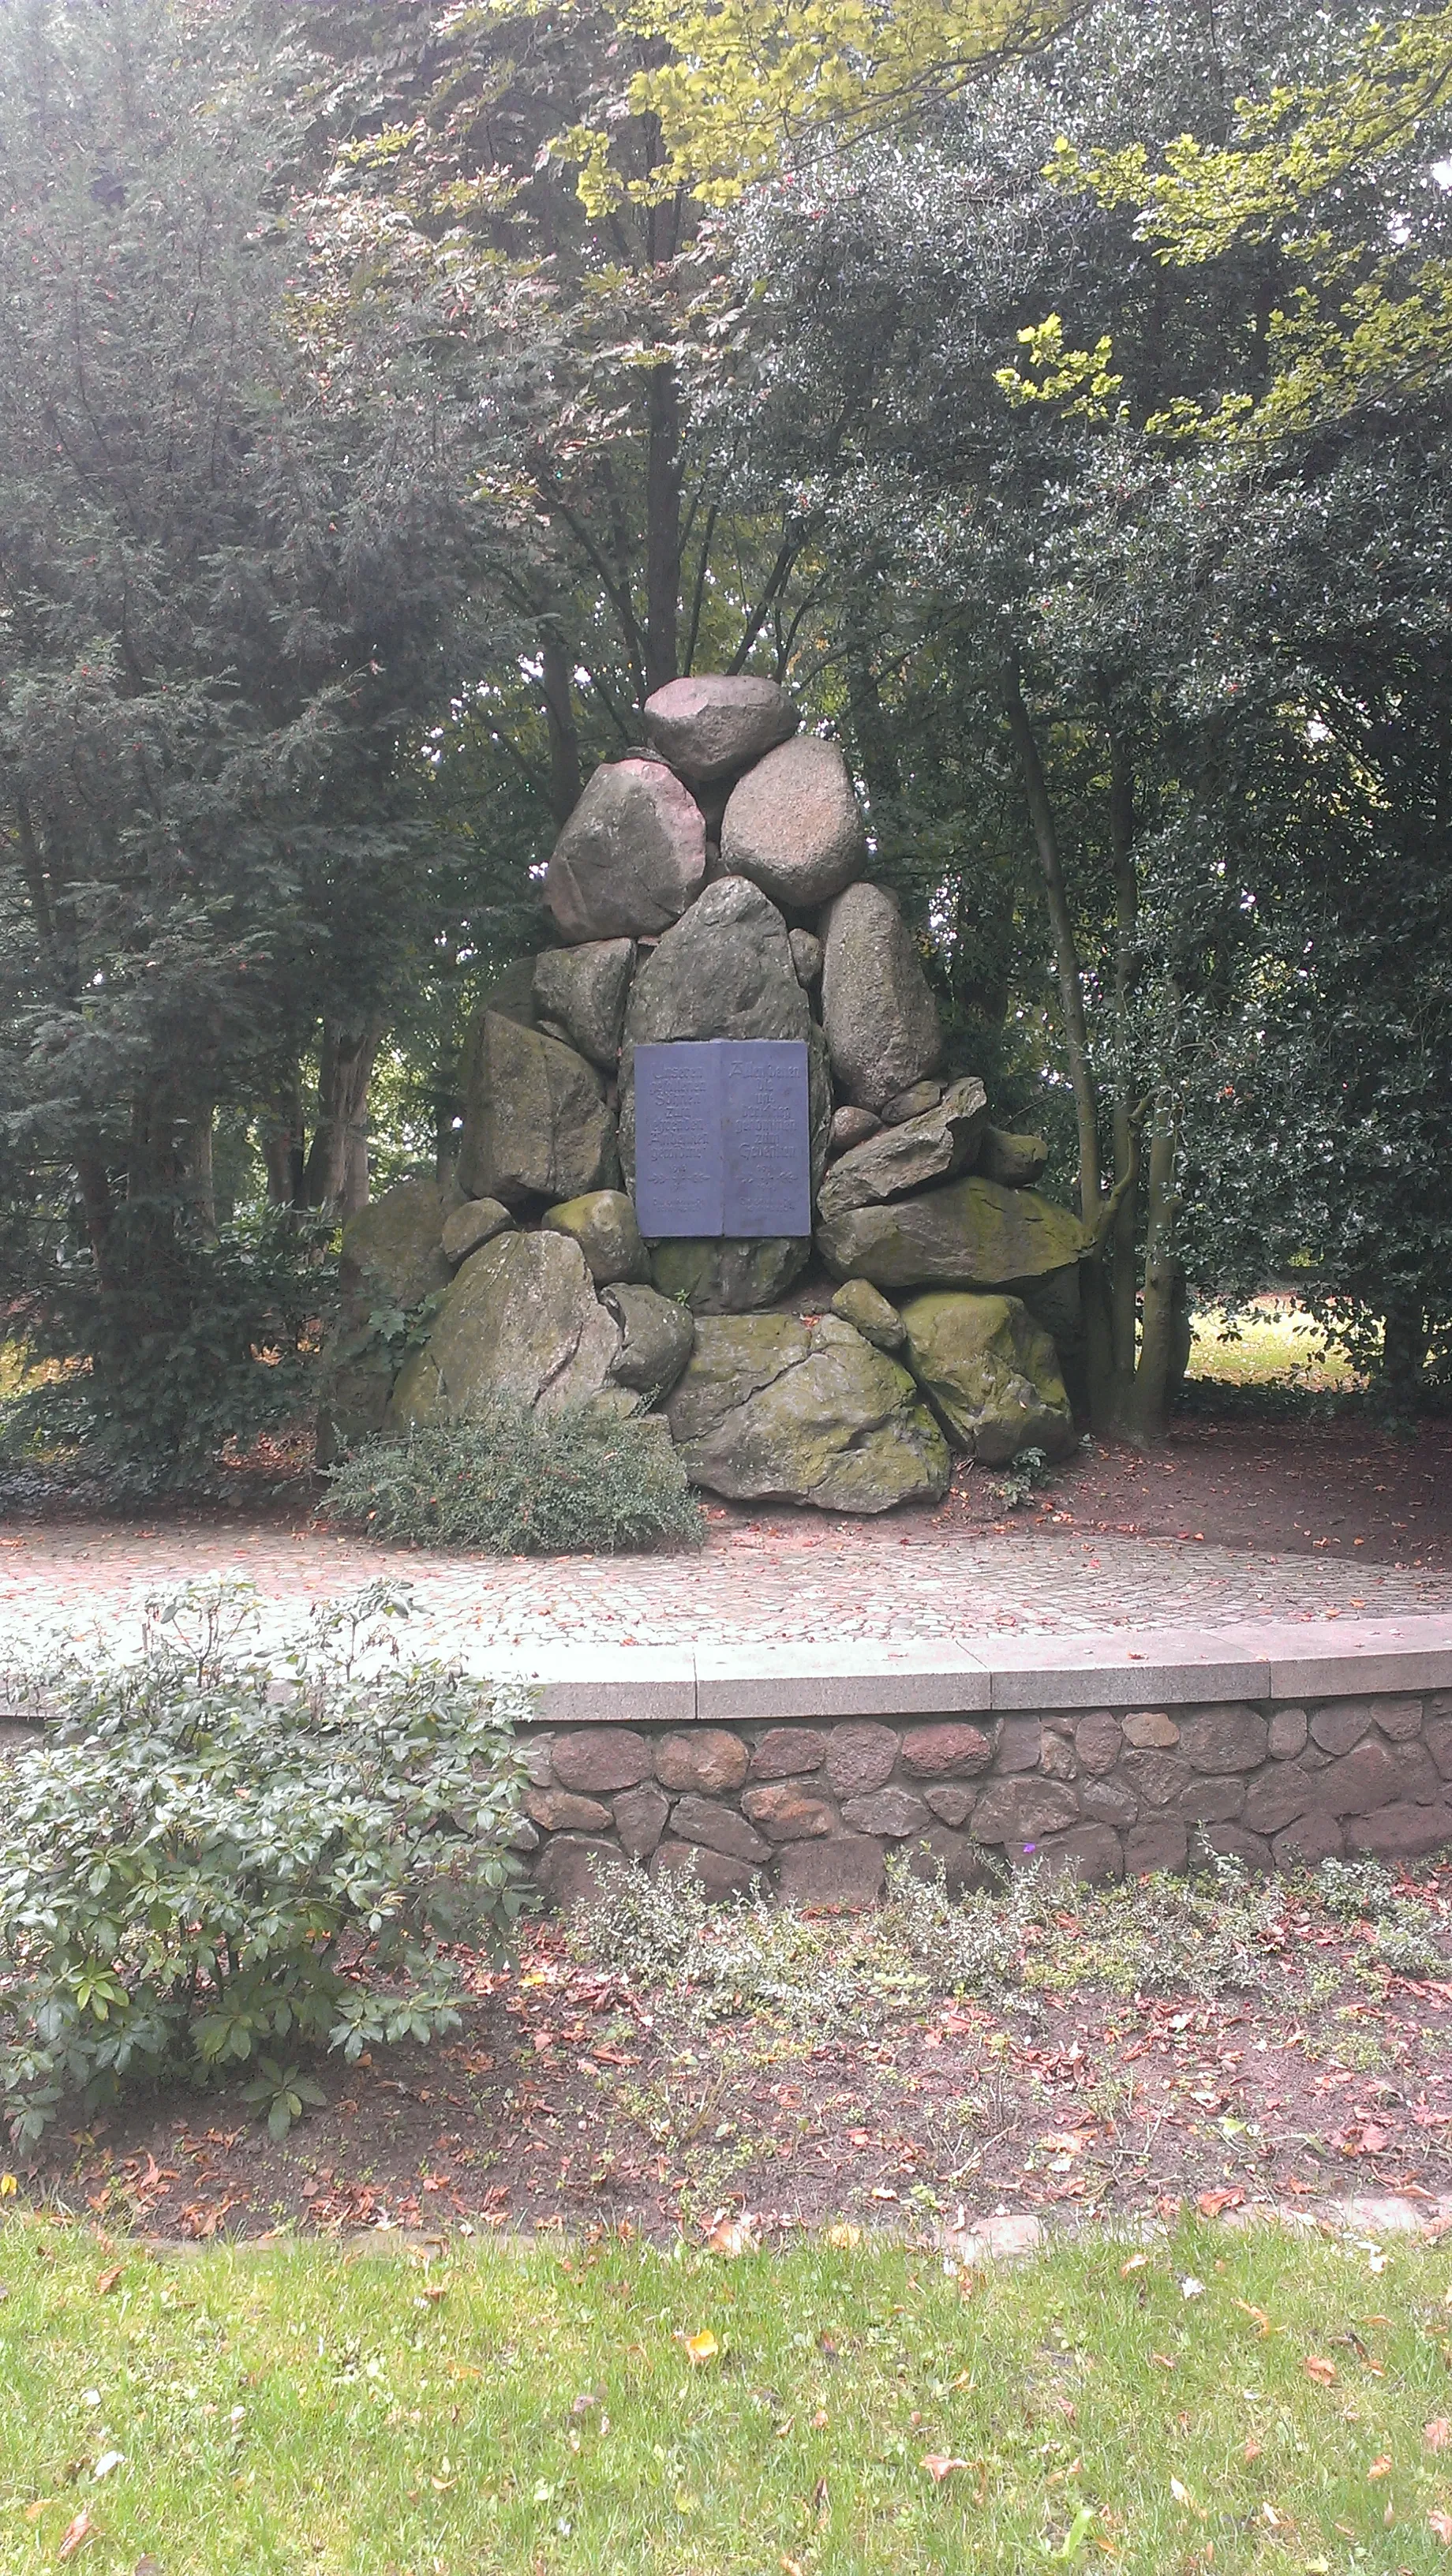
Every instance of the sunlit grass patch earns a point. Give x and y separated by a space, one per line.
611 2409
1272 1342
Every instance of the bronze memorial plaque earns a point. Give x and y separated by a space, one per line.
722 1138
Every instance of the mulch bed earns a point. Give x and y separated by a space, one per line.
568 2102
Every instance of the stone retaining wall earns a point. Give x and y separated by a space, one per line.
810 1811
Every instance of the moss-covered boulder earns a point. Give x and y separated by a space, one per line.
393 1250
770 1408
968 1234
869 1313
719 1276
991 1375
1017 1161
476 1222
535 1123
520 1325
585 990
657 1339
603 1224
392 1259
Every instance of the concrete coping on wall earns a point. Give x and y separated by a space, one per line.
760 1680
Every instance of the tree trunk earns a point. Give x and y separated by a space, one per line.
1066 952
94 1182
1162 1311
337 1166
559 703
873 739
1404 1341
663 529
280 1135
1124 1238
197 1175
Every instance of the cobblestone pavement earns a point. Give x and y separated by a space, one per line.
771 1580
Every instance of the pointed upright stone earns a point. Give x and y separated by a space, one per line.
880 1018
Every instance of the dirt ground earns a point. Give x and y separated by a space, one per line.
1341 1487
1337 1486
571 2100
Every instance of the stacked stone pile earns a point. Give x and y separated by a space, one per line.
713 885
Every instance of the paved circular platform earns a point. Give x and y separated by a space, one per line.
789 1582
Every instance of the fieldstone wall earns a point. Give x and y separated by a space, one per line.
810 1811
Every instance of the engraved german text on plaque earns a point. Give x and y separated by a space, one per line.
722 1138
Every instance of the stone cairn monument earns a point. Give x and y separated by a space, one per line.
713 1168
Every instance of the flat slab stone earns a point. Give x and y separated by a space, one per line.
735 1684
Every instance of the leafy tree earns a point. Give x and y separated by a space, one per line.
1102 603
228 602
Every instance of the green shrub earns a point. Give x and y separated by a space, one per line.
218 1855
523 1484
150 1382
1027 1475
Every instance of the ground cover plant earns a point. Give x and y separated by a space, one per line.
1194 2400
1055 2053
523 1484
220 1860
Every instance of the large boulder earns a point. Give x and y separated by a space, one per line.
1017 1161
880 1018
793 826
535 1125
393 1257
393 1250
630 858
904 1158
475 1223
722 1275
991 1375
710 727
968 1234
603 1224
584 990
657 1338
723 971
869 1313
521 1325
511 994
770 1408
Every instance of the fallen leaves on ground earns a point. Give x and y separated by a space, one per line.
76 2534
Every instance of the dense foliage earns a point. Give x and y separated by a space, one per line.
523 1484
394 395
221 1857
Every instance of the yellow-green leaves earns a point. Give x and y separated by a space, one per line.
1326 176
1079 380
731 85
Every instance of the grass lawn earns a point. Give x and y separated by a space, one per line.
1272 1343
1213 2401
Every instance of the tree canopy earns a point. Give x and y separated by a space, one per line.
1056 396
